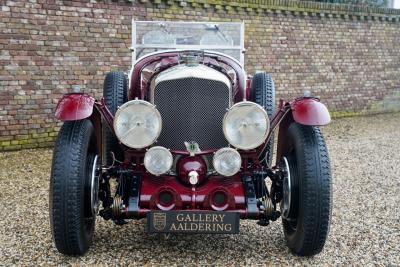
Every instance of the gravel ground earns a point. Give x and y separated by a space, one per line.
365 152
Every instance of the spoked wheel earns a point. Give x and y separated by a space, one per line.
290 187
306 202
74 187
92 186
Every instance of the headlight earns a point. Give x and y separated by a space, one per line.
137 124
158 160
227 161
246 125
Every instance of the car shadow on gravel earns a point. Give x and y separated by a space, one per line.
253 242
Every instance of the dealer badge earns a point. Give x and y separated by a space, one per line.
159 221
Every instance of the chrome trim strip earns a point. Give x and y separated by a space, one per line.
184 50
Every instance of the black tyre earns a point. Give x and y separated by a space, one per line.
307 195
74 188
263 93
115 94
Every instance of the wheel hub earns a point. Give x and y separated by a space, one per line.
287 189
94 187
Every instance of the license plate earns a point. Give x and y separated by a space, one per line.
203 222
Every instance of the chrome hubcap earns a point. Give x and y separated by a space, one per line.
94 187
287 190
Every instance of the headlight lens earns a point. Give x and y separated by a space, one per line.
227 161
246 125
158 160
137 124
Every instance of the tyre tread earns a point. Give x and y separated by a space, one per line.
67 185
263 93
316 190
115 94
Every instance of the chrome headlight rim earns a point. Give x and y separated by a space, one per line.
163 149
137 102
239 105
224 150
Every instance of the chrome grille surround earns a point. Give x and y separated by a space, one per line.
192 102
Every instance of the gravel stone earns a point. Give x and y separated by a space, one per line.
365 156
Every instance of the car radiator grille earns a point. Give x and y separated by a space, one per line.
192 109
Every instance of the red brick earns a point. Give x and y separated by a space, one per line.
47 46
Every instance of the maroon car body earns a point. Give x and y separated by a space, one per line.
304 110
141 194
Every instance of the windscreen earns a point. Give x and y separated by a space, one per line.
153 36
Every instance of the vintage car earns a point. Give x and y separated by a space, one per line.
186 140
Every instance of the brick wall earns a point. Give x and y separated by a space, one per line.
349 56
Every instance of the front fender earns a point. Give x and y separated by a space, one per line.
306 111
75 106
309 111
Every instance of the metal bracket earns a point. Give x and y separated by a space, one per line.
251 199
134 196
